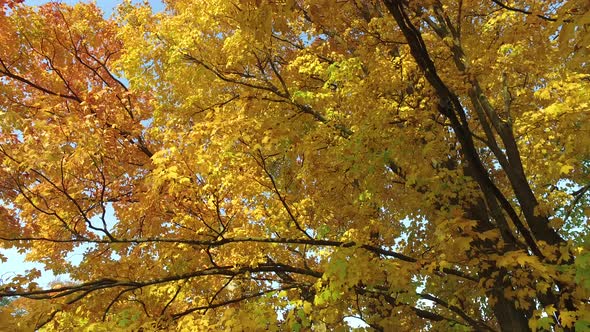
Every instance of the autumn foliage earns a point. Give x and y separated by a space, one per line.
304 165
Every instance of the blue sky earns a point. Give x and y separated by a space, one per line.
106 5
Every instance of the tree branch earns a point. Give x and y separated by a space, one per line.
523 11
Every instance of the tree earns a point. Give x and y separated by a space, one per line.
288 165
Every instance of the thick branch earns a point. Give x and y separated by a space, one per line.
223 241
112 283
450 107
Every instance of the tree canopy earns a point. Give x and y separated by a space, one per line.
295 164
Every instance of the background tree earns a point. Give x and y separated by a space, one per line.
276 165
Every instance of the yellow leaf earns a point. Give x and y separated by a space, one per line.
567 318
307 307
565 169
